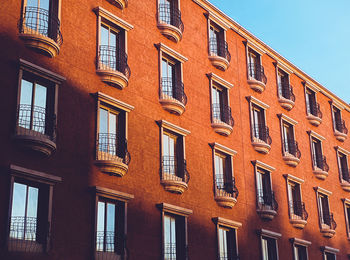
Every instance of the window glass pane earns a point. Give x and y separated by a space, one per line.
45 4
40 96
171 146
100 226
104 35
265 250
165 145
164 68
33 3
103 121
112 123
348 215
113 39
26 92
32 209
110 234
19 200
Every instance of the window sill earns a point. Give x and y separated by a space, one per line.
119 3
345 185
340 136
256 85
261 146
298 223
224 199
319 173
291 160
221 127
314 120
115 166
219 62
327 231
41 43
171 105
267 214
171 32
112 77
173 183
286 103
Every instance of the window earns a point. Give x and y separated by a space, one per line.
226 192
174 242
340 130
171 89
227 238
111 216
169 19
112 58
347 216
222 120
37 107
266 203
300 246
286 97
319 162
269 248
329 253
255 71
112 154
40 18
314 114
30 210
297 213
343 167
327 223
174 175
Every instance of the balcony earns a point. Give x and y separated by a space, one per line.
112 154
122 4
112 66
261 139
291 152
36 129
174 176
314 114
106 246
256 77
328 226
219 55
40 30
24 235
297 214
341 132
170 23
172 96
267 205
286 97
226 192
222 121
345 179
320 167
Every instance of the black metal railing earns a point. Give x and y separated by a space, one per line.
297 210
223 113
340 126
219 48
171 170
291 146
106 241
314 109
267 201
170 15
256 71
112 147
40 21
345 174
35 121
173 89
286 91
321 162
225 187
170 251
262 132
328 219
113 58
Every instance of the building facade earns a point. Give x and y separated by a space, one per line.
163 130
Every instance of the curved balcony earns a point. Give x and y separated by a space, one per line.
226 192
328 226
112 66
36 130
40 30
291 152
321 167
172 96
267 205
256 77
170 23
222 120
174 176
261 139
122 4
112 154
314 114
345 179
219 54
298 214
341 131
286 97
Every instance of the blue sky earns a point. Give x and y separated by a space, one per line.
312 34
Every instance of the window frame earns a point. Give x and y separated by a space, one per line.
267 234
254 102
313 135
295 180
330 250
311 88
346 203
325 193
284 119
300 242
218 24
340 150
284 69
336 105
250 46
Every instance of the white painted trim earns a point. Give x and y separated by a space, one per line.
265 166
299 241
220 80
318 189
224 149
287 119
316 135
113 18
227 222
257 102
293 178
172 127
162 47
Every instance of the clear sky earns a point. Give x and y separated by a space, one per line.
313 34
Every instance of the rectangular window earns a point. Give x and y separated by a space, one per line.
300 252
264 192
227 243
317 153
295 203
337 119
219 102
347 216
284 88
169 153
269 248
106 228
324 209
289 144
171 84
329 256
216 40
259 127
169 237
343 166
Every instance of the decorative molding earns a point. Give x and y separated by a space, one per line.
283 66
255 47
99 11
117 195
311 86
299 241
52 76
337 104
162 47
342 150
260 164
346 201
216 19
287 118
268 233
21 172
174 209
314 134
329 249
257 102
293 178
114 102
172 127
322 190
227 222
221 148
220 80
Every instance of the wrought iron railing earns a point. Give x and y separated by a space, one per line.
321 162
286 91
266 201
223 113
170 251
35 121
113 58
297 210
314 109
345 174
256 71
171 170
40 21
106 241
328 219
262 132
219 48
111 147
173 89
291 146
340 126
170 15
226 188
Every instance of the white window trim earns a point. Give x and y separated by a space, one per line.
324 192
297 241
319 137
346 202
269 234
328 249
